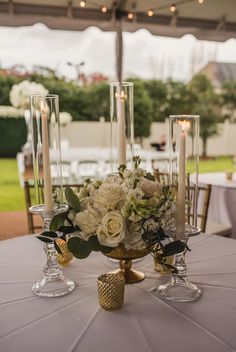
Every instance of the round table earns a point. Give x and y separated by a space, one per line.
223 198
146 323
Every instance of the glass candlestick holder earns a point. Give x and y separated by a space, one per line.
179 288
53 283
183 178
48 198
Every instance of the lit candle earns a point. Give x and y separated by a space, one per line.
121 128
46 161
180 215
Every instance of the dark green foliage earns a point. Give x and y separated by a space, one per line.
207 105
153 101
157 91
142 111
13 136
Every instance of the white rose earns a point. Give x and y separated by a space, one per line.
87 221
112 229
149 187
108 195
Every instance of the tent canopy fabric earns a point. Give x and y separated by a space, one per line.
210 20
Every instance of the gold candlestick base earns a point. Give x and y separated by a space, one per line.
130 275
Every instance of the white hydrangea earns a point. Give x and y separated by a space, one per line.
64 118
10 111
19 94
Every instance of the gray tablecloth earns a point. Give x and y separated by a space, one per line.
145 323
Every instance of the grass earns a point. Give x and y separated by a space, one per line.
12 195
218 164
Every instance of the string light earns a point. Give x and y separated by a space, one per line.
130 16
150 13
104 9
82 3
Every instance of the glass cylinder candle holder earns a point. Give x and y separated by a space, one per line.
45 128
184 160
122 124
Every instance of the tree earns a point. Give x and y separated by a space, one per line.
205 103
229 99
142 111
178 99
157 91
97 102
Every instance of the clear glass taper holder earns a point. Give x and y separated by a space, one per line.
183 172
179 288
53 283
48 200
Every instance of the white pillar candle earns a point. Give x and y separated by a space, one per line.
180 213
46 161
121 128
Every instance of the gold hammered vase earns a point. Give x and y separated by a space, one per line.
125 257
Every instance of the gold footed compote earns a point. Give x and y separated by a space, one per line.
179 288
53 283
125 258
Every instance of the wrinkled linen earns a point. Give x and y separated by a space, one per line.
145 323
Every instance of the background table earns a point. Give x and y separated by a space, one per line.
144 324
223 198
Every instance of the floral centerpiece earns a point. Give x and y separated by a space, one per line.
128 210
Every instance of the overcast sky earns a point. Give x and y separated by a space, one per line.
145 55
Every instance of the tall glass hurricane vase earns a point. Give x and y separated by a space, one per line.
48 191
122 124
184 151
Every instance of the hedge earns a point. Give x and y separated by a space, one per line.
13 135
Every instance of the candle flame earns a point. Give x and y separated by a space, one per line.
185 125
122 95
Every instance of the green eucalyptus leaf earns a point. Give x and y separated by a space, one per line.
72 199
66 229
173 248
45 239
96 246
57 221
58 249
78 247
50 234
150 176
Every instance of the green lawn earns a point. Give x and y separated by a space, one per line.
12 195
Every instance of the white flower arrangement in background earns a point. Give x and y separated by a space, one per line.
10 112
64 117
19 94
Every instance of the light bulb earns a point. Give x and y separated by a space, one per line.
150 13
130 15
82 3
104 9
173 8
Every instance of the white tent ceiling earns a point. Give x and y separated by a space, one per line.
211 20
